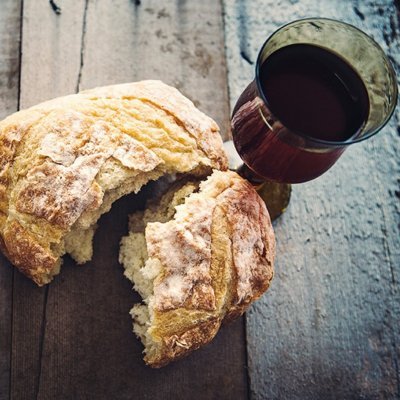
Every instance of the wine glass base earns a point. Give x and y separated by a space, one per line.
276 196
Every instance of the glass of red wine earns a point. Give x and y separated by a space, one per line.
320 86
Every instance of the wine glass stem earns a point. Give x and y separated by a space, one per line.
275 195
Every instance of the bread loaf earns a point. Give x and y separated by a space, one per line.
64 162
198 257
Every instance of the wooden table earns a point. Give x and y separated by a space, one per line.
329 328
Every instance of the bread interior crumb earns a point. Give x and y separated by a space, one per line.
141 271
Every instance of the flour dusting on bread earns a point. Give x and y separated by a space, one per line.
64 162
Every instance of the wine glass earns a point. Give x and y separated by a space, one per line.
320 86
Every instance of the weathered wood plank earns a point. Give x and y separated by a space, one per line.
179 42
49 68
9 82
69 341
50 50
329 327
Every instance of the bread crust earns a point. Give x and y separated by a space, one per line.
179 345
55 157
184 245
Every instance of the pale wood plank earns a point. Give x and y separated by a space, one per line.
9 82
329 327
50 50
74 340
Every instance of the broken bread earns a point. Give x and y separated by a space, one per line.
198 257
64 162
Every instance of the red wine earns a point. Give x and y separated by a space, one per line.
308 95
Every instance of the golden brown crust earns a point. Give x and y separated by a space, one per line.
24 251
184 245
62 159
178 345
253 247
182 109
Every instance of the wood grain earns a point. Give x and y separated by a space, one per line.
179 42
49 67
74 338
329 327
9 82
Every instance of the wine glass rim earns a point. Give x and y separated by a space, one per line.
330 143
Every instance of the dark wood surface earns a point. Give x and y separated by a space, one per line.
329 328
9 84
